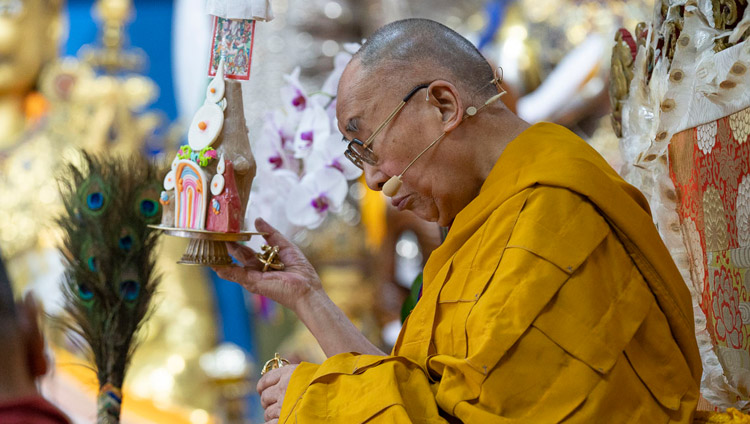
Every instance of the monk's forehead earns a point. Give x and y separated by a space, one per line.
357 93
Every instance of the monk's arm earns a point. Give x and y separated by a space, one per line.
329 325
351 388
298 288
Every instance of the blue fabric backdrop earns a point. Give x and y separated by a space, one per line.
151 30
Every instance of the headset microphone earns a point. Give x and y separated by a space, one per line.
391 187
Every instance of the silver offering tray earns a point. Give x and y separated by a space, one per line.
205 248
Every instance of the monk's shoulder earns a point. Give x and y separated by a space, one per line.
559 226
559 207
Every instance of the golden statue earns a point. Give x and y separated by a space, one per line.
48 109
29 35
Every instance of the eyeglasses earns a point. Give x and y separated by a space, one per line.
360 152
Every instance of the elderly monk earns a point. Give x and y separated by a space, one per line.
552 298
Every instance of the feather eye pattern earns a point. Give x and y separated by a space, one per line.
109 279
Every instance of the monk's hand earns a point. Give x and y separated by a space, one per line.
289 287
272 388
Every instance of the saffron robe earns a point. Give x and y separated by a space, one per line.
552 299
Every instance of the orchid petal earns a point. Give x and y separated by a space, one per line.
330 154
314 127
317 194
330 86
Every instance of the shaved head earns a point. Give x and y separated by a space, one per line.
412 49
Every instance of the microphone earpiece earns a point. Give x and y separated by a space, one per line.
495 98
391 187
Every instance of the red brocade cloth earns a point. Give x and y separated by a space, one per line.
31 410
710 168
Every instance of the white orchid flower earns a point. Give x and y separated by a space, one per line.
317 194
331 84
314 127
274 149
268 202
330 154
293 96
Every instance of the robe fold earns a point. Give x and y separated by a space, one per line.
552 299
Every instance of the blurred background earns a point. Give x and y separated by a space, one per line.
121 75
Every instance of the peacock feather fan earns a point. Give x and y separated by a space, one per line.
109 280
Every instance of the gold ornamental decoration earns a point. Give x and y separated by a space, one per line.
276 362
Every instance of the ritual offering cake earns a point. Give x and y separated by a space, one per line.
205 193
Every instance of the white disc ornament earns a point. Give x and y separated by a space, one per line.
220 167
206 126
174 162
169 181
217 185
215 90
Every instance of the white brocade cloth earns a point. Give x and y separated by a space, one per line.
698 87
240 9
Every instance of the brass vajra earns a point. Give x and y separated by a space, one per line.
270 258
272 364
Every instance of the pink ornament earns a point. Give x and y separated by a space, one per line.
225 215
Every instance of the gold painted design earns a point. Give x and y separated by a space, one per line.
726 17
681 151
740 124
695 254
714 214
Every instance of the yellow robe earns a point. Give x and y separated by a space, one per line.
552 300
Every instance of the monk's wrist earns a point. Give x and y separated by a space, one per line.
311 306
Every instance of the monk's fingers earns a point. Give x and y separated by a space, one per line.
279 286
245 276
273 236
231 273
269 397
243 254
274 421
271 378
289 253
272 412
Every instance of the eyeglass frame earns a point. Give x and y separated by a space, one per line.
370 157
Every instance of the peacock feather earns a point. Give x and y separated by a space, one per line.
109 278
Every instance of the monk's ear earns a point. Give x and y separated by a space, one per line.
444 96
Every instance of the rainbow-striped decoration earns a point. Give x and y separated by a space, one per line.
190 196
